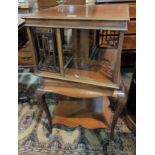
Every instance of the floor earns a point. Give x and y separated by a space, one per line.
35 138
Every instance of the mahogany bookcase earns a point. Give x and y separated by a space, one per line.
75 66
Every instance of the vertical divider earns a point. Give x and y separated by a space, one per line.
60 51
34 54
116 73
84 45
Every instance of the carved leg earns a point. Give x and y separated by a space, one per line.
41 100
120 106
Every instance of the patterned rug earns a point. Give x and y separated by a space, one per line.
35 139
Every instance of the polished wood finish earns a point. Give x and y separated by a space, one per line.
59 46
43 4
132 10
34 55
129 42
41 101
84 45
76 90
120 106
75 24
116 12
82 18
116 74
75 2
121 95
83 112
109 16
105 83
131 27
25 57
112 17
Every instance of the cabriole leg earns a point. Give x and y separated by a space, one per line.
43 105
121 103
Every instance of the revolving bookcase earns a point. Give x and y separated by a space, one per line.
65 51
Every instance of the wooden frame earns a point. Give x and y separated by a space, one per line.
106 21
86 17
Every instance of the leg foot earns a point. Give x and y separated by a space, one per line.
120 106
43 105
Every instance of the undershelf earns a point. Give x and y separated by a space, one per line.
83 113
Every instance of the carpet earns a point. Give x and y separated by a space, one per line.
34 137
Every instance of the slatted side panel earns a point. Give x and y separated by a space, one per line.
129 44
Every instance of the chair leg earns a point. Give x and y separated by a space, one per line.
120 106
41 100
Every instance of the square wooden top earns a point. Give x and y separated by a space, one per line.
107 12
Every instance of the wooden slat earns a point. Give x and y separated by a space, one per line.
129 42
60 51
116 73
84 45
131 27
132 11
32 44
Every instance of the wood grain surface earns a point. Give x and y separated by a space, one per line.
72 114
85 12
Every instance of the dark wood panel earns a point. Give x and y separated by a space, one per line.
129 42
25 58
25 55
132 11
43 4
75 2
131 27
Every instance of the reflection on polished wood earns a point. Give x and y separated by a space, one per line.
105 84
87 75
85 12
87 17
74 113
75 89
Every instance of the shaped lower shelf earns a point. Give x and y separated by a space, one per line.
88 113
75 89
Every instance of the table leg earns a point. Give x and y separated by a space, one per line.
121 103
41 100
